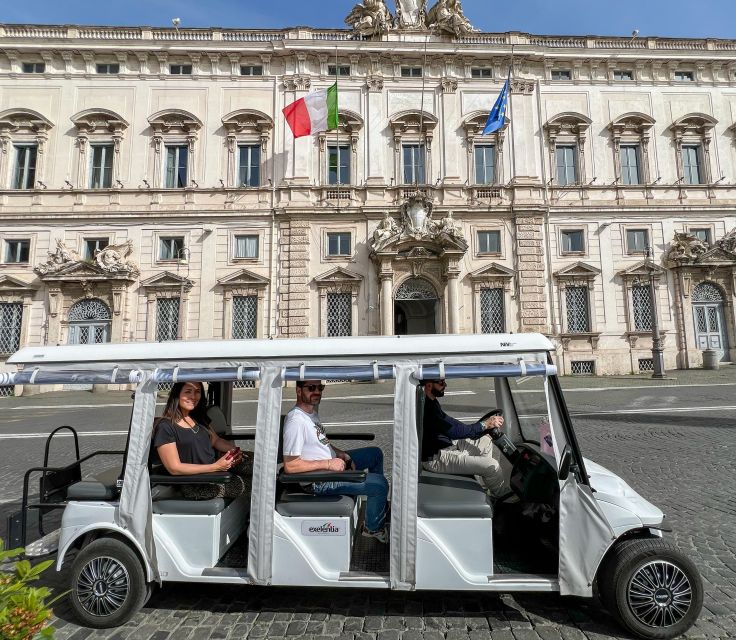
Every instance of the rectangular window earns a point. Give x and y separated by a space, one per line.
561 74
567 171
637 240
684 76
93 245
251 70
641 303
339 314
101 170
25 166
338 244
177 158
343 177
489 242
245 317
573 241
34 67
167 319
109 68
624 75
492 316
249 165
171 248
703 235
413 164
691 164
180 69
629 154
11 320
480 72
338 70
485 164
17 251
578 315
411 72
246 247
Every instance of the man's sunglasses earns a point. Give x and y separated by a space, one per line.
442 383
314 387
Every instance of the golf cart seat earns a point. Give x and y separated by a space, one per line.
101 486
442 495
308 505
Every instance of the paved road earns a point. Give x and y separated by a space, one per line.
676 445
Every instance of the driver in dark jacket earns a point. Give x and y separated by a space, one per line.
451 446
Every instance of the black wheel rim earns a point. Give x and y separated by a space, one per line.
102 586
659 594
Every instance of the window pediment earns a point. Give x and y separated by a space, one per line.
340 278
474 123
693 124
24 121
93 121
247 121
579 273
568 123
493 270
641 270
413 122
633 123
167 280
243 278
9 284
175 121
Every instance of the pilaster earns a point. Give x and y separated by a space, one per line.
532 300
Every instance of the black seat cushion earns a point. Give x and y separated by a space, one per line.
308 505
101 486
445 496
190 507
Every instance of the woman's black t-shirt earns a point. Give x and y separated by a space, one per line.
193 448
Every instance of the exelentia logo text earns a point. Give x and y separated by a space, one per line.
327 527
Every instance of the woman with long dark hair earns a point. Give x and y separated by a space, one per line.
185 444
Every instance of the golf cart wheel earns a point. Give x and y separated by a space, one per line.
652 588
108 584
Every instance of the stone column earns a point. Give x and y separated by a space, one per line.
532 299
387 304
452 297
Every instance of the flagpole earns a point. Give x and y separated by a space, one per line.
511 115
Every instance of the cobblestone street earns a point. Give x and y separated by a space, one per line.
681 458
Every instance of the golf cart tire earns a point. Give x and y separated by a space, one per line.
108 584
637 559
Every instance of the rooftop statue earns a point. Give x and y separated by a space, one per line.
371 18
411 14
448 16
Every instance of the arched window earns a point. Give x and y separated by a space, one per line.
566 135
248 133
416 289
630 133
89 322
175 135
413 131
707 292
693 134
23 137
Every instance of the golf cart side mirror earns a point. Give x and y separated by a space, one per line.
565 463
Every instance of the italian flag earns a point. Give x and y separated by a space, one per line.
313 113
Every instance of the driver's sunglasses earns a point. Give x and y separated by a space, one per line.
314 387
442 383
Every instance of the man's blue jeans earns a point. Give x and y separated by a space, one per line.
375 486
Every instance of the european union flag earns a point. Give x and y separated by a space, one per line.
496 118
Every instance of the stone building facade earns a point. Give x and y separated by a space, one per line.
150 188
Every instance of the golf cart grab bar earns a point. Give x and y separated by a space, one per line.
217 477
434 372
322 476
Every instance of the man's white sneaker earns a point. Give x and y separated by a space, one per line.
381 534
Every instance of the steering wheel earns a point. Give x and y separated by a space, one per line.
490 414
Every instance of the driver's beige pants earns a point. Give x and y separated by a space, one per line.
472 457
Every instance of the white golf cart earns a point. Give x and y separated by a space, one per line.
567 524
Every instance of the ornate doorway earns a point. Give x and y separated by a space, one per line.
415 307
710 331
89 322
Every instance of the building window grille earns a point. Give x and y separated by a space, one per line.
339 314
492 311
684 76
481 72
93 245
34 67
249 168
567 171
177 159
703 235
578 313
707 292
624 75
167 319
646 365
637 240
246 247
411 72
170 248
245 321
573 241
415 289
17 251
338 70
7 391
489 242
691 164
582 367
180 69
101 170
485 164
108 68
561 74
414 164
341 155
630 164
641 302
25 166
251 70
11 319
338 244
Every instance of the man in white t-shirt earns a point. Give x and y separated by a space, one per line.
307 448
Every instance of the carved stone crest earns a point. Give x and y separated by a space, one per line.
371 18
416 214
728 242
113 258
685 249
411 14
387 229
448 16
58 259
